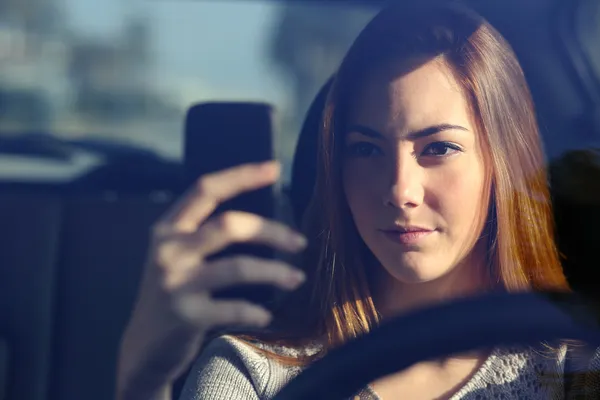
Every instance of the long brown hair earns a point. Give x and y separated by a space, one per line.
336 303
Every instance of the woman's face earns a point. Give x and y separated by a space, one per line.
414 173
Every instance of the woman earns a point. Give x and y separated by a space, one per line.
428 189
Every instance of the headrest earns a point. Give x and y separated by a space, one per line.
304 167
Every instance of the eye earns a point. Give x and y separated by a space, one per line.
363 149
441 149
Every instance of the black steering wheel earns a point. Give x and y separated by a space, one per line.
488 321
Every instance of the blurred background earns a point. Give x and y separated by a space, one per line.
93 99
127 70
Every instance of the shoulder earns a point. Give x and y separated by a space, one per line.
532 372
570 368
583 372
231 368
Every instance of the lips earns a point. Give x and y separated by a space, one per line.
407 235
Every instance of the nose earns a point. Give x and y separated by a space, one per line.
405 188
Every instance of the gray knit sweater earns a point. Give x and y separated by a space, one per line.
229 369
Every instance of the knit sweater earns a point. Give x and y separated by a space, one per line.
230 369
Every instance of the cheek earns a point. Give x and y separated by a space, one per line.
362 187
461 195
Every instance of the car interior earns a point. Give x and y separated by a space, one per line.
73 248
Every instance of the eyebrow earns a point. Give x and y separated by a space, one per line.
421 133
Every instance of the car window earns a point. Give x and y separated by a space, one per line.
587 31
128 71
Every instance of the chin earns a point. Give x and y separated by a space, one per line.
415 272
414 277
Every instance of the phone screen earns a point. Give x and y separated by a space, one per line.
224 135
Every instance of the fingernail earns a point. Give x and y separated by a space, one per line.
295 278
264 319
270 167
298 241
298 275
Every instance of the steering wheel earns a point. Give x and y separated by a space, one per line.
498 319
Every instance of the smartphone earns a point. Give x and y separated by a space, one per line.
223 135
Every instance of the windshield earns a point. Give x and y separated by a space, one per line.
94 96
127 72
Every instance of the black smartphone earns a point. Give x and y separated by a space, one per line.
221 135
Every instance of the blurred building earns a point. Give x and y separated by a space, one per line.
111 78
32 62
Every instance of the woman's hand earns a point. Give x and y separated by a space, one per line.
175 308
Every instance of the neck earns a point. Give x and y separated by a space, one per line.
466 279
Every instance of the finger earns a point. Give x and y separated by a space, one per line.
215 188
241 227
182 255
239 270
196 310
234 312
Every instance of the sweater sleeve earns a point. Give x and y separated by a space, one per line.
219 373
